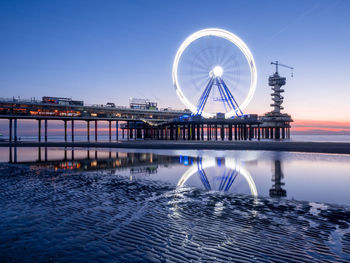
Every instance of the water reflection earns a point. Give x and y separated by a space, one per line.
276 190
226 177
226 174
137 163
277 175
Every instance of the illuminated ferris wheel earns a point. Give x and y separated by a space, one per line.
214 71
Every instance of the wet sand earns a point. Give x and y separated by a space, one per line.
287 146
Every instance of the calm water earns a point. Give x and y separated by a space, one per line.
173 206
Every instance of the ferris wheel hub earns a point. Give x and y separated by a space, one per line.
217 71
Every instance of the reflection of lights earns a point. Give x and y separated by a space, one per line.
185 160
219 207
229 163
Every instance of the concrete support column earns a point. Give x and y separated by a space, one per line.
171 132
202 132
250 132
198 132
277 133
230 132
259 132
208 132
235 131
283 133
271 133
216 132
222 131
177 131
188 137
193 133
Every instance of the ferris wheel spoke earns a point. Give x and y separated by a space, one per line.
203 58
199 84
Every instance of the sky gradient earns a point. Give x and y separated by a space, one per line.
101 51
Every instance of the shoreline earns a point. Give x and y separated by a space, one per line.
285 146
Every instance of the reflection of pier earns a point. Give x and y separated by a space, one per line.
146 163
276 190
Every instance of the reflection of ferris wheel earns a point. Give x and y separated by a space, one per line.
214 71
225 181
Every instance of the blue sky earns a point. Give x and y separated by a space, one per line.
103 51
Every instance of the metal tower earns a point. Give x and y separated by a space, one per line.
276 125
277 82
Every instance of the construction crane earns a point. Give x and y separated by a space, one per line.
282 65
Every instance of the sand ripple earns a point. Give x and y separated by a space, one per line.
103 217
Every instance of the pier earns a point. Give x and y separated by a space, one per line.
155 129
136 124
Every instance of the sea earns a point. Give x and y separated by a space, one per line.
114 205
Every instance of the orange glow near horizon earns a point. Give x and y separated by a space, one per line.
309 126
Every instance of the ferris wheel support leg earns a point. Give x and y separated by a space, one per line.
224 96
204 97
232 99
